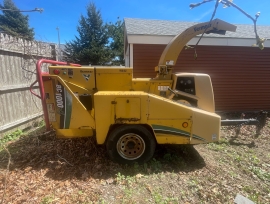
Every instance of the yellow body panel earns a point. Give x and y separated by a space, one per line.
167 118
74 133
110 106
206 126
154 86
171 122
142 105
66 112
114 79
203 87
127 108
96 78
165 139
76 75
96 98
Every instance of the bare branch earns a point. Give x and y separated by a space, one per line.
193 5
259 40
228 3
65 160
213 15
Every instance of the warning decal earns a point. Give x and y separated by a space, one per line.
163 88
51 112
86 76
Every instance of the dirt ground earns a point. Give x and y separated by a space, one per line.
43 169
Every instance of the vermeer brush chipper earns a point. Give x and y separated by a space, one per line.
131 115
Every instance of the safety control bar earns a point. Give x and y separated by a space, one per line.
39 79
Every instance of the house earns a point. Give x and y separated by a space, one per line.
240 72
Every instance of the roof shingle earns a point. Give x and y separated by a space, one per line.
135 26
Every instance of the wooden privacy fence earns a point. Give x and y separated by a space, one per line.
17 72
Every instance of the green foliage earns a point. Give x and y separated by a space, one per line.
252 193
47 200
193 182
14 23
91 46
41 123
116 34
136 167
98 43
11 136
122 179
155 164
218 146
262 174
159 199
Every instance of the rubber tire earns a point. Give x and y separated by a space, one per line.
115 135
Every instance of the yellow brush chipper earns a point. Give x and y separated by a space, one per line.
131 115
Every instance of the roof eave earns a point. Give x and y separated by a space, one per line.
206 40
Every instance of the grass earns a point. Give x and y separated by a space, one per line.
260 173
159 199
10 137
79 171
13 136
47 200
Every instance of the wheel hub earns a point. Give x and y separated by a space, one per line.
130 146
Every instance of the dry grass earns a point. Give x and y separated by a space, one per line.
44 169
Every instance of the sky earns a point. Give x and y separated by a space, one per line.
65 14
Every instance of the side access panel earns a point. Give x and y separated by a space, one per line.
118 107
127 109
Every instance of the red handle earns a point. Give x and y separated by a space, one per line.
41 86
31 89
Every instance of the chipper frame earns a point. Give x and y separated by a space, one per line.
131 115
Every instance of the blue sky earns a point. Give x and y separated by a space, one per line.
65 14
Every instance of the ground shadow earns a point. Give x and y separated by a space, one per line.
82 158
237 142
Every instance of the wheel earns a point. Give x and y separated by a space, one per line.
128 144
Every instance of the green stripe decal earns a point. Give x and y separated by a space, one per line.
173 131
198 138
170 130
68 109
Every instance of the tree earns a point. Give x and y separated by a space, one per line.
92 44
13 22
116 33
